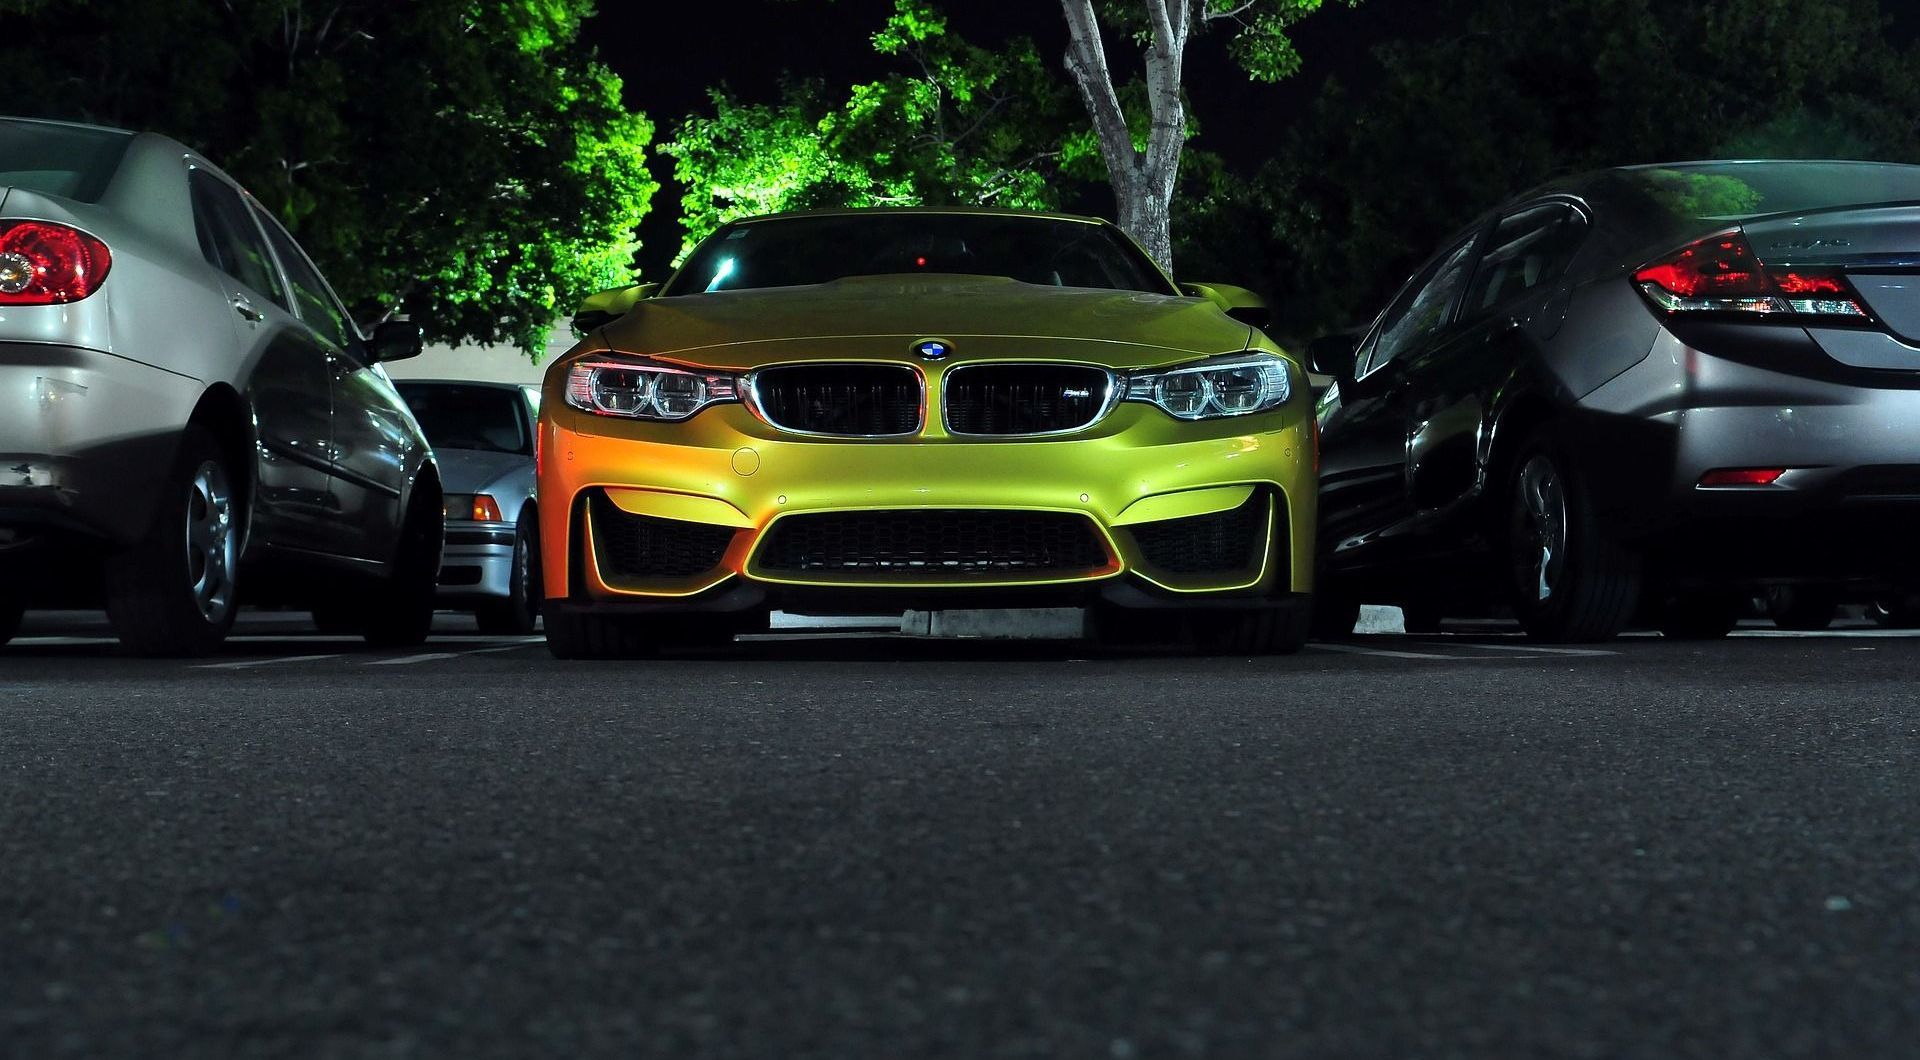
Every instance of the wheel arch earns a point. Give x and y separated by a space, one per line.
224 413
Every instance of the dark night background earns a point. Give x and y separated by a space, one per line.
669 58
669 55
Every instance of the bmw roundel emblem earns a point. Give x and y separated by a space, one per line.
932 350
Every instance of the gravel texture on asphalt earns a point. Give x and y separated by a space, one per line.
895 849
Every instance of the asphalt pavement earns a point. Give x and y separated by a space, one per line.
846 846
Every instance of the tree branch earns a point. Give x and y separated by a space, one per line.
1087 62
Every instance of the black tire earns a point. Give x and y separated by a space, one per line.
337 618
519 612
575 635
1806 608
1253 631
1133 626
1588 591
398 609
1702 614
585 635
176 592
11 612
1896 612
1334 616
1421 617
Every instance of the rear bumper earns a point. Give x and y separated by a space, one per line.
86 439
737 482
476 562
1847 504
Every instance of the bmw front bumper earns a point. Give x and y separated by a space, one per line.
724 512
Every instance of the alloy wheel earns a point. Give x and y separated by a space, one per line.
210 541
1539 529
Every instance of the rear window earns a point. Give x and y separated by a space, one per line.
489 418
1734 190
72 163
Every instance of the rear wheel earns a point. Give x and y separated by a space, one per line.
1421 617
519 611
1896 612
1701 614
1334 615
175 592
1803 607
1253 631
398 609
1569 582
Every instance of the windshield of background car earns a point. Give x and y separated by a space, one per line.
60 159
492 419
799 251
1734 190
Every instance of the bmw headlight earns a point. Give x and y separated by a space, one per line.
1232 387
639 390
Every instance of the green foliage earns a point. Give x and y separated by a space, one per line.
1368 184
467 162
954 124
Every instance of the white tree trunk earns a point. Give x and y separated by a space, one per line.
1143 180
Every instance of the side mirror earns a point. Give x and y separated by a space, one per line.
396 340
602 308
1333 354
1237 302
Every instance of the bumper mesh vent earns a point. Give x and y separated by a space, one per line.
934 543
1221 543
630 547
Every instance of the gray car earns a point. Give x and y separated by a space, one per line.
1644 392
189 419
482 435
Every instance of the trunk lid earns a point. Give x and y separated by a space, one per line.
1877 247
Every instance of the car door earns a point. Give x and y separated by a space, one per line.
373 437
1363 482
283 374
1452 381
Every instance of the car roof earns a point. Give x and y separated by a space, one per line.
870 211
19 120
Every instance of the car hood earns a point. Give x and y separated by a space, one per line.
884 317
479 470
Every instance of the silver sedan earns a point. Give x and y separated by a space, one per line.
189 419
482 435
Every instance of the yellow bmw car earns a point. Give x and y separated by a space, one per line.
872 411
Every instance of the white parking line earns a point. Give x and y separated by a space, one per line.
527 642
248 664
1538 649
408 660
1381 653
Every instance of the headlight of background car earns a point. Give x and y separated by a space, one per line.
1234 387
642 391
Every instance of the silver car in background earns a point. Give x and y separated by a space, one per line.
189 419
482 436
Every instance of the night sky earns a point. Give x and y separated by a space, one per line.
670 53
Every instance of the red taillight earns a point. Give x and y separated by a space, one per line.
1721 274
1741 476
44 263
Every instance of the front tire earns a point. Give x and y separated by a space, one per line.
1570 583
1802 607
176 591
585 635
519 612
1254 631
398 610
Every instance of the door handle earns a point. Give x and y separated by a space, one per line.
245 308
